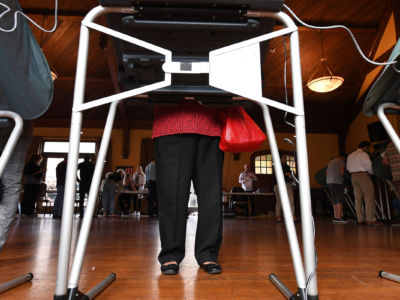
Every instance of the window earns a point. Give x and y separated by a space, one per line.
263 164
54 152
63 147
291 162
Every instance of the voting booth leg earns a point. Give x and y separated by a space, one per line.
75 294
15 282
92 198
386 123
72 166
306 279
389 276
284 289
70 187
287 213
307 221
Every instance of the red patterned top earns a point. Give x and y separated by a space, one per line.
186 117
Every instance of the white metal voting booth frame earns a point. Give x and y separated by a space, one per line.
240 58
396 141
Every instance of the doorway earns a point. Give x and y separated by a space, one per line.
53 153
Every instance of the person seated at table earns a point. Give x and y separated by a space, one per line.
140 181
120 176
109 192
126 198
248 181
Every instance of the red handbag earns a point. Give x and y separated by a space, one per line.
240 133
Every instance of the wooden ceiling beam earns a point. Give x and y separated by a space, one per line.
396 12
355 110
88 79
50 12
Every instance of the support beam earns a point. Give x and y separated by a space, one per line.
105 45
91 123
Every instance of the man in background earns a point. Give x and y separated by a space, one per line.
61 172
335 183
86 169
360 167
248 181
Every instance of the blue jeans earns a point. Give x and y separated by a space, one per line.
109 194
12 177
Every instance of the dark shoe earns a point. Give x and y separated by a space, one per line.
211 268
339 221
171 269
374 223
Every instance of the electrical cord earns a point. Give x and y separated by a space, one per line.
289 141
316 261
345 28
8 9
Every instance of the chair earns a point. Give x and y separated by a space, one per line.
42 203
239 200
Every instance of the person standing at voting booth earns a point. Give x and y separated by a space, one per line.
27 90
360 167
335 183
33 174
186 140
86 170
61 173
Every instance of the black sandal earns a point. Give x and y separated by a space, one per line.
212 268
171 269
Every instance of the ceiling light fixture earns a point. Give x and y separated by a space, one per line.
322 79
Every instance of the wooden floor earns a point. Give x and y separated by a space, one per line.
349 258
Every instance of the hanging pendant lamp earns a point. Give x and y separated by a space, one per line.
322 79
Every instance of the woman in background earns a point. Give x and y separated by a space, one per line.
109 192
125 198
186 139
140 181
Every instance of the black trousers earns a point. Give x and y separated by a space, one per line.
180 159
82 193
29 198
